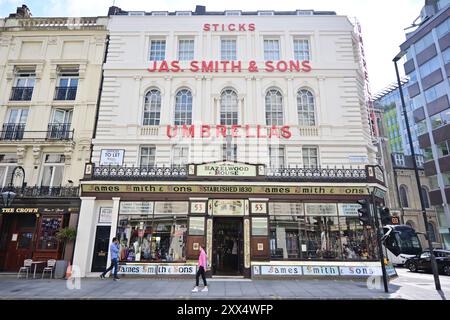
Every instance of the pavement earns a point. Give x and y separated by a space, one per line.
411 286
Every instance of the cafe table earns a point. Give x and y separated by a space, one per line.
35 265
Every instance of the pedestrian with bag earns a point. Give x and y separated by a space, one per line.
202 265
114 251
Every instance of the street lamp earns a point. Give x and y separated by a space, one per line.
8 196
416 172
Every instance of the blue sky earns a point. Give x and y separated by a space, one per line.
382 21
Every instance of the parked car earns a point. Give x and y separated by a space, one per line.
423 261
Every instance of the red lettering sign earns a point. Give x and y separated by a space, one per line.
235 131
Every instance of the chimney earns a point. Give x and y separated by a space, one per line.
21 12
200 10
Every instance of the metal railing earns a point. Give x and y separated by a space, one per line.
300 174
17 132
139 173
316 174
21 93
44 192
59 131
65 93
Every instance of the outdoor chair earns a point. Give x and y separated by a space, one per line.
26 267
49 268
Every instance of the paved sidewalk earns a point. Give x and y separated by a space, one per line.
137 289
181 289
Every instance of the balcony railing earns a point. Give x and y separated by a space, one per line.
44 192
139 173
21 93
299 174
59 131
316 174
16 132
65 93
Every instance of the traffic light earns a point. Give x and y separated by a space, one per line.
385 216
364 213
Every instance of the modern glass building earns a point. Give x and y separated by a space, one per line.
427 52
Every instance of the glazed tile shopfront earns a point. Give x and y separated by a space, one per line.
247 132
252 226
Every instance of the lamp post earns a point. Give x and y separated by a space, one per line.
416 172
8 196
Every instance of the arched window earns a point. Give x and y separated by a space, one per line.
228 107
152 108
425 197
403 197
274 108
432 232
306 108
183 107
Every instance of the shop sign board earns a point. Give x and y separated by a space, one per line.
219 189
320 209
281 270
348 209
105 215
111 157
320 271
136 207
390 269
228 207
360 271
226 169
171 207
137 269
19 210
153 269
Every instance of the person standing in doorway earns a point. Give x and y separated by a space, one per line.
114 251
201 270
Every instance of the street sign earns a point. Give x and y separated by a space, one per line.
377 192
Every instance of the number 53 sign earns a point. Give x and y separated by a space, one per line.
259 207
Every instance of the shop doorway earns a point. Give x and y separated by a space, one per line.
19 241
228 248
101 247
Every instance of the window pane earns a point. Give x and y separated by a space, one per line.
259 226
301 50
228 108
183 107
152 108
157 50
274 108
196 226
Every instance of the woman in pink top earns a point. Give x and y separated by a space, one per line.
201 270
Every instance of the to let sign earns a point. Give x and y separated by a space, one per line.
111 157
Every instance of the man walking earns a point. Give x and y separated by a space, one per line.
201 270
114 250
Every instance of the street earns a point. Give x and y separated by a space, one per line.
410 286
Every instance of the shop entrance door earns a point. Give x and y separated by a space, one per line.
228 248
101 247
19 241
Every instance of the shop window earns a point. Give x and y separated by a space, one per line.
287 237
152 108
196 226
183 107
274 108
322 238
145 235
49 227
259 226
228 107
354 239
